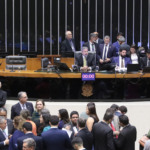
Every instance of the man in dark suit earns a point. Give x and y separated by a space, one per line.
77 144
9 127
4 141
98 40
127 137
85 61
68 45
121 61
145 61
91 44
84 134
27 129
55 139
3 96
23 104
105 52
103 134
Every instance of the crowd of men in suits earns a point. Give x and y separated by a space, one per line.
118 53
82 132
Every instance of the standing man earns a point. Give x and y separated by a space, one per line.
85 61
68 45
77 144
127 137
55 139
91 44
98 40
27 129
103 134
22 104
9 127
3 96
4 141
106 52
117 43
121 61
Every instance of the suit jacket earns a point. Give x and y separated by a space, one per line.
103 137
2 139
10 126
126 139
111 51
117 46
3 97
66 47
143 62
87 138
116 60
87 44
15 109
37 139
100 41
56 139
91 61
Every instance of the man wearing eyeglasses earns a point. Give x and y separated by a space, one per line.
22 104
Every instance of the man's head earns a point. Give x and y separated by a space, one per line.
3 122
68 35
148 53
97 34
22 96
77 143
27 127
121 40
123 109
108 117
84 51
114 106
54 120
3 112
93 37
119 34
81 123
123 52
124 120
29 144
74 116
106 39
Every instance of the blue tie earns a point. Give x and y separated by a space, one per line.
105 52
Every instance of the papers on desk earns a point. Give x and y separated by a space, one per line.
118 69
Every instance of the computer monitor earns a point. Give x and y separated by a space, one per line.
133 68
44 63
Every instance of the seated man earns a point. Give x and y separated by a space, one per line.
145 61
121 61
85 61
68 45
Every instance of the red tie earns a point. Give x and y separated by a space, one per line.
113 128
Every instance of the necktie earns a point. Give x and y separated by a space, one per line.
93 47
84 61
122 64
148 63
113 128
105 52
72 46
23 106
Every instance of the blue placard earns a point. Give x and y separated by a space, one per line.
88 76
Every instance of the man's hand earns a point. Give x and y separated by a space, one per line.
107 60
84 68
7 141
101 61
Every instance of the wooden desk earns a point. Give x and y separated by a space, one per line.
33 74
